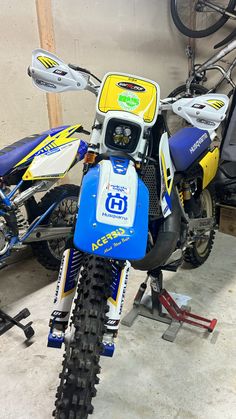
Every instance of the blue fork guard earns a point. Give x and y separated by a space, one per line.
106 240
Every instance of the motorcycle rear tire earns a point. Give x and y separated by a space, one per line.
197 254
43 250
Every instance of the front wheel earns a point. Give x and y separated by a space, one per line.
199 251
195 19
81 363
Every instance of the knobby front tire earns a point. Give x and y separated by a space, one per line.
81 359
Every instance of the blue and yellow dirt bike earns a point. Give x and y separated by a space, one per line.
33 165
146 201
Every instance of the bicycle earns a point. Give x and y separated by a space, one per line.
197 75
201 18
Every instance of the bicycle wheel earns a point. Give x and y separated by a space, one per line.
174 122
195 19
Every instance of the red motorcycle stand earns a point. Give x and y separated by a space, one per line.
151 306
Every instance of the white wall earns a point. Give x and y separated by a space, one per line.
133 36
103 35
22 107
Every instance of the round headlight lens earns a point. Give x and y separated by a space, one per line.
122 135
118 130
127 131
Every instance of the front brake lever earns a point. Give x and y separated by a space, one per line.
226 40
84 70
76 68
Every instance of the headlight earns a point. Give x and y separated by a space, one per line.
122 135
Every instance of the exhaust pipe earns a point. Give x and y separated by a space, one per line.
167 238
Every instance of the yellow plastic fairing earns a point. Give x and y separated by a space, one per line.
209 165
122 92
63 137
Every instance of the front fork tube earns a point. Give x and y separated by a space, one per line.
65 292
120 276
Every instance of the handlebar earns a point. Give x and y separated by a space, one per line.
225 41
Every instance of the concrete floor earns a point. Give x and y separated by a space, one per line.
193 378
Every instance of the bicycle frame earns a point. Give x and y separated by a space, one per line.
219 9
210 64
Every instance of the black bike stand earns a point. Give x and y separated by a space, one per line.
151 306
7 322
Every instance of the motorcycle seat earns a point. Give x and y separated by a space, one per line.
14 153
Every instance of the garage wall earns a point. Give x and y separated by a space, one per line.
103 35
130 36
22 107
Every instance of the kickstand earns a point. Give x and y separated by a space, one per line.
7 322
151 306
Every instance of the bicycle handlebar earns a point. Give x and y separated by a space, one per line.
226 40
225 51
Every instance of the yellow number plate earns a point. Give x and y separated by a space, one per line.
125 93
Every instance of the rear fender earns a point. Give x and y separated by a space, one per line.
113 211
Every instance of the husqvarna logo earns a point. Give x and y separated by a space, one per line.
198 143
116 204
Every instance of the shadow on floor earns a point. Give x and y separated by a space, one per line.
21 279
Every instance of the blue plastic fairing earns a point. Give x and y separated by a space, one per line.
187 145
109 240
